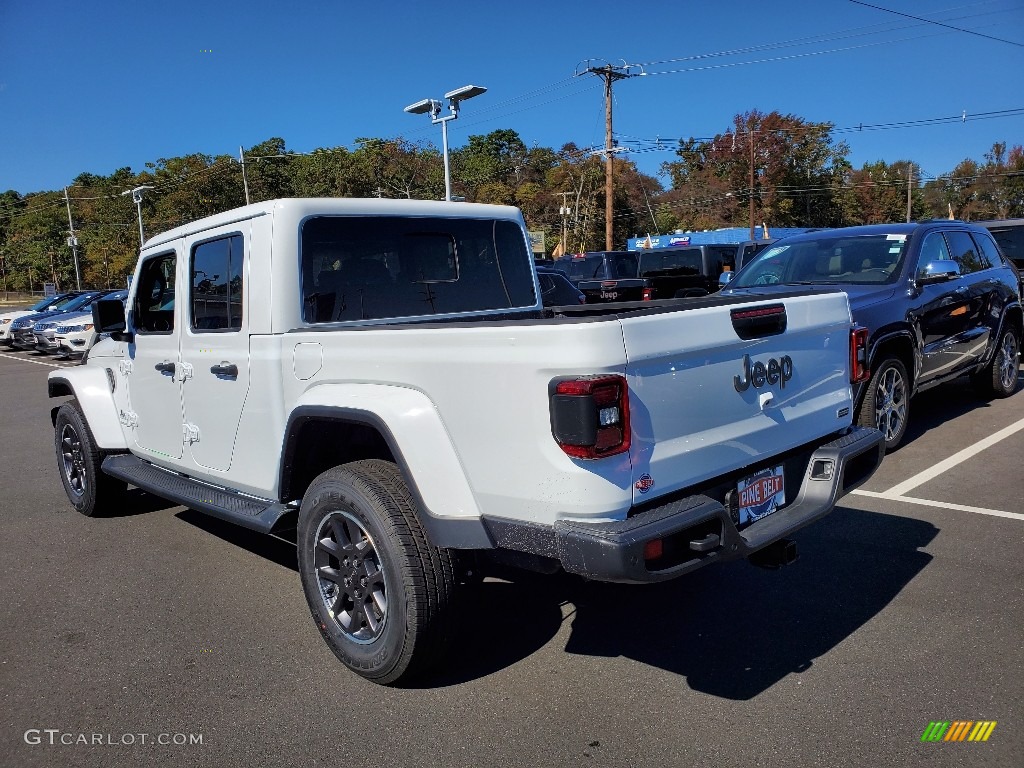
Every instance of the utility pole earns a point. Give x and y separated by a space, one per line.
564 211
73 241
750 141
910 180
609 73
245 179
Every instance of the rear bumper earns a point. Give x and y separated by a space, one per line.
697 530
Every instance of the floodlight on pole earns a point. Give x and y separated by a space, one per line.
136 194
432 107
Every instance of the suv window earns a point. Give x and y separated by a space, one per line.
988 248
932 249
154 298
721 256
662 263
376 267
965 253
216 303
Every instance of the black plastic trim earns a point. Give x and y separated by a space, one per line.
449 533
614 551
247 511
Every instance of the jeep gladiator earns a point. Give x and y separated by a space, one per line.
381 377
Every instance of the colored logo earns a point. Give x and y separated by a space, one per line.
959 730
644 484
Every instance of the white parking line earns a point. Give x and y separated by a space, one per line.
36 362
896 493
941 505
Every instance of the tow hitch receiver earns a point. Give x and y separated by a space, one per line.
775 555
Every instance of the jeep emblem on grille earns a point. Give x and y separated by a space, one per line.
775 372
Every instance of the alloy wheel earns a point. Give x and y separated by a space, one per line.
72 460
350 577
1008 361
891 404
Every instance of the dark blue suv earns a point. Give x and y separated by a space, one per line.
938 298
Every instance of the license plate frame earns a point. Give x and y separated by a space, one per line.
761 494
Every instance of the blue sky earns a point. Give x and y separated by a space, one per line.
97 86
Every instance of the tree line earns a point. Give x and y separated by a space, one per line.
795 172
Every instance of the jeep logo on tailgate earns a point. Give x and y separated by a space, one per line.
758 374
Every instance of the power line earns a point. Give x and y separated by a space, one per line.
937 23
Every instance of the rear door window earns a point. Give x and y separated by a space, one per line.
964 252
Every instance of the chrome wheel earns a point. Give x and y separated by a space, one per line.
1007 362
891 404
73 461
350 577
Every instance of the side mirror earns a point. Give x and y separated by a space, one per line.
108 316
725 278
938 271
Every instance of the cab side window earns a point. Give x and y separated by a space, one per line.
965 253
154 298
216 301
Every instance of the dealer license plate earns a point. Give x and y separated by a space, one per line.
761 494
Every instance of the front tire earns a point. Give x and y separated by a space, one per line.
999 377
886 404
379 593
89 490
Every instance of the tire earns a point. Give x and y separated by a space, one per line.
89 490
380 594
999 377
886 403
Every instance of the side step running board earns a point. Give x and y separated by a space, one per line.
256 514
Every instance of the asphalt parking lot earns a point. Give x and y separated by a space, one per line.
906 607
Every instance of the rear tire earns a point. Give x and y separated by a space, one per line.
89 490
999 377
886 403
380 594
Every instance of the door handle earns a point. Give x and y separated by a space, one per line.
165 367
224 369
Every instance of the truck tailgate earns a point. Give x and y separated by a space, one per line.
691 416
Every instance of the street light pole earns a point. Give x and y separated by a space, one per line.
137 199
432 107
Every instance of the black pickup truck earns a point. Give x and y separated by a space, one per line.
661 273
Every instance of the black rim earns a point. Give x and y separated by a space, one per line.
72 460
350 578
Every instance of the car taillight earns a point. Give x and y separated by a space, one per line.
859 370
647 294
590 416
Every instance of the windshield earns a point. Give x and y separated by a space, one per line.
78 302
829 259
48 302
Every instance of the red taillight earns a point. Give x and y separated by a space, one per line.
590 416
859 370
647 294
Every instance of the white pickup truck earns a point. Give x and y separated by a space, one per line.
381 376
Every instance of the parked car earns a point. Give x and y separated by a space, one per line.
938 298
556 290
678 272
7 318
70 333
1009 233
23 329
604 276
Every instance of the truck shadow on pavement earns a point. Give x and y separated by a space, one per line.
732 631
